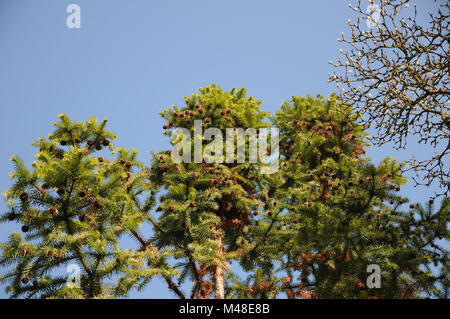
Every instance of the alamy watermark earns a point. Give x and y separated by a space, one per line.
74 279
373 20
257 146
374 279
73 21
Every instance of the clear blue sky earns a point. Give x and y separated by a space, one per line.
131 59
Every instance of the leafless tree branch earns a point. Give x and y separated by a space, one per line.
395 73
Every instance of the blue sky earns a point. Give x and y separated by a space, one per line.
131 59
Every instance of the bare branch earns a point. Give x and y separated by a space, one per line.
396 73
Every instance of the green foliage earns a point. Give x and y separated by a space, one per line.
330 213
307 231
74 208
204 207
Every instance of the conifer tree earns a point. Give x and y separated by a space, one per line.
330 213
309 230
205 206
72 208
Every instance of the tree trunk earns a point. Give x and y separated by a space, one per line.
218 273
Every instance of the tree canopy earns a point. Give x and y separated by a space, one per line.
308 230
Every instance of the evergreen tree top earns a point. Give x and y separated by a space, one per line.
309 230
